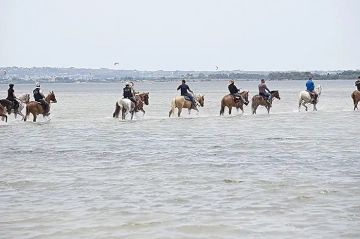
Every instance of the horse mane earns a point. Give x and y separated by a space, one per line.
273 91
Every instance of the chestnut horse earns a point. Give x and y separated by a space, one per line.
141 99
180 103
356 98
228 101
36 108
260 100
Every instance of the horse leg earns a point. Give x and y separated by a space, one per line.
222 109
143 111
132 114
3 116
268 108
34 116
189 110
179 111
315 109
117 111
230 108
306 108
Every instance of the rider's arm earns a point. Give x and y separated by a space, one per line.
14 95
178 87
191 91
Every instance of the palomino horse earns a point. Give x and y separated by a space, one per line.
180 103
260 100
356 98
3 113
142 99
36 108
125 106
229 101
22 99
305 98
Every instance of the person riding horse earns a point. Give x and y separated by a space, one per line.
11 96
234 91
128 93
40 98
184 88
133 88
264 91
310 87
357 83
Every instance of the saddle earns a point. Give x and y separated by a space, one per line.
312 94
187 98
236 99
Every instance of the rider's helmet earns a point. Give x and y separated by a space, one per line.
11 85
127 84
37 85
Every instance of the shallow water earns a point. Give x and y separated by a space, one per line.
83 174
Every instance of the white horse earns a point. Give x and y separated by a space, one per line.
22 99
305 98
125 106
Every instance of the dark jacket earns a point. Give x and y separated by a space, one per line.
233 89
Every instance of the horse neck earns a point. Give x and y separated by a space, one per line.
47 99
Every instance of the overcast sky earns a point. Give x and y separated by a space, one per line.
181 34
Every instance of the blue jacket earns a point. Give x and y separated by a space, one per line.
310 85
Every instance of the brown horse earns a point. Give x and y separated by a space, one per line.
180 103
260 100
141 99
7 104
3 113
36 108
229 101
356 98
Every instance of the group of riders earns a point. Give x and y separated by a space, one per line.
38 96
129 93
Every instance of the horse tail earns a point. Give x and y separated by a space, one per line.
117 110
222 107
173 105
300 99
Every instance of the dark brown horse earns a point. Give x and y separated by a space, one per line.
260 100
229 101
3 113
35 108
7 104
356 98
141 99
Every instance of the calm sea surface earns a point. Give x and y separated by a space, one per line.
83 174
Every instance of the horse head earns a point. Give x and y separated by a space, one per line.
200 99
245 95
145 98
51 97
275 93
318 89
24 98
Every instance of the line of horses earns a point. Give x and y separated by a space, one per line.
32 107
125 106
179 102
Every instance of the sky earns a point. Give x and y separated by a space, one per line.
149 35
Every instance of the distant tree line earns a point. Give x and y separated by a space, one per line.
296 75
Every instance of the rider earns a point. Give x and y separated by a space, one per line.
235 92
11 96
357 83
40 97
264 91
128 93
184 92
133 88
310 86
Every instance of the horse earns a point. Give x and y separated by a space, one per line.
22 99
35 108
260 100
356 98
142 99
180 102
125 106
3 113
6 104
305 98
228 101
